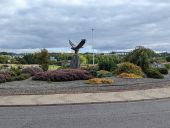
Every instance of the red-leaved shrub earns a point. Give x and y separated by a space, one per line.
63 75
32 70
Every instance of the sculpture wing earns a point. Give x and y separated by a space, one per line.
80 45
72 45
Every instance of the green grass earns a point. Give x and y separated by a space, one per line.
167 66
53 67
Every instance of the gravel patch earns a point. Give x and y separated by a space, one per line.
42 87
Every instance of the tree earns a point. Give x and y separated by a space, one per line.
141 56
43 59
30 58
83 59
89 58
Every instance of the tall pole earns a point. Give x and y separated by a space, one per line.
93 44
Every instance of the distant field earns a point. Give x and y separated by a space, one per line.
53 67
23 65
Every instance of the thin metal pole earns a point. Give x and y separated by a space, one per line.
93 44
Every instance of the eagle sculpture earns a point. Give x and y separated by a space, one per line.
76 48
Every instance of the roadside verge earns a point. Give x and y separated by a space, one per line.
82 98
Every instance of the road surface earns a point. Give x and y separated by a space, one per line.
143 114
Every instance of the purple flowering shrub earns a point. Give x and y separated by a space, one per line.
13 75
63 75
4 77
32 70
8 73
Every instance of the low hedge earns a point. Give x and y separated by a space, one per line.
63 75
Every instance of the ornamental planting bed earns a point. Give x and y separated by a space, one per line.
79 86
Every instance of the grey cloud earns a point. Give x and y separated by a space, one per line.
119 25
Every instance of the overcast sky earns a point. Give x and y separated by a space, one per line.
118 24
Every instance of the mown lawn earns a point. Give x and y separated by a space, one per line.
53 67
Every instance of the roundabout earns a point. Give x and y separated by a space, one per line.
30 87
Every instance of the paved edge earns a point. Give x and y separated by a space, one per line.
85 98
73 104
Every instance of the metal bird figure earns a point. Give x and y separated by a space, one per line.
76 48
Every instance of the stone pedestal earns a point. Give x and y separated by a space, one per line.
75 62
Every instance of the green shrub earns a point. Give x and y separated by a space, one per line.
168 58
163 71
107 63
44 67
167 66
24 76
103 73
20 77
153 73
91 69
127 67
141 56
17 71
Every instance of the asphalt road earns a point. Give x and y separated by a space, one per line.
143 114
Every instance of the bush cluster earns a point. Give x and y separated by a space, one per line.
127 67
32 70
153 73
63 75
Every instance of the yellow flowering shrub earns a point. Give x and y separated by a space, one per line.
129 68
99 81
103 71
129 75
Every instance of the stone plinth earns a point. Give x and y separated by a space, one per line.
75 62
